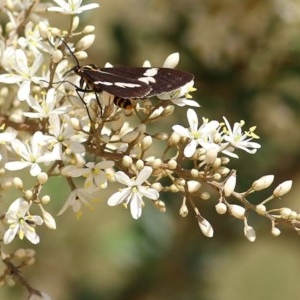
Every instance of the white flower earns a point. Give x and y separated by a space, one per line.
32 153
64 136
20 72
46 107
21 222
238 139
134 191
71 7
95 176
76 198
195 135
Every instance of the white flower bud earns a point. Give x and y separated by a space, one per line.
172 164
221 208
88 29
285 212
237 211
261 209
262 183
249 233
43 30
127 161
173 188
183 210
42 178
156 163
283 188
28 194
139 164
171 61
48 219
205 227
157 186
146 143
57 56
85 42
174 139
75 23
75 124
18 183
45 199
217 163
81 55
229 185
194 172
275 231
193 186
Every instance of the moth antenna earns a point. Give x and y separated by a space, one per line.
71 52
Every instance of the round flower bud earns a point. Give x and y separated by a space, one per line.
127 161
275 231
18 183
285 212
156 163
261 209
221 208
28 194
45 199
174 188
42 178
283 188
194 172
262 183
172 164
193 186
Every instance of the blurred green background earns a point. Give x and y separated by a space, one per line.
246 59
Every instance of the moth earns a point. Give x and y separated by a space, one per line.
127 83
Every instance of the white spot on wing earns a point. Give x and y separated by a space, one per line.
103 82
126 85
149 75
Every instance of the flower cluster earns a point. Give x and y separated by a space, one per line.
51 127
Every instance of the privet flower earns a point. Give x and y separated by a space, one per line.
134 192
21 222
